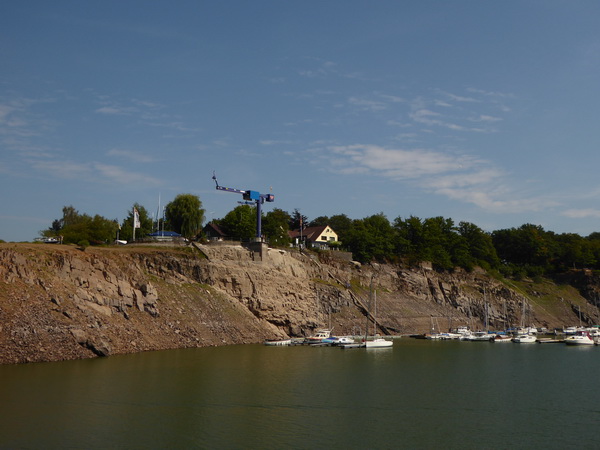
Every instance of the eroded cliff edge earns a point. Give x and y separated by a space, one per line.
58 302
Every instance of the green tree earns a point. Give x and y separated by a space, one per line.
527 245
185 215
320 221
297 220
341 224
409 240
574 252
75 227
240 222
275 227
440 242
481 247
371 239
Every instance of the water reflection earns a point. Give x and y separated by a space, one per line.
419 394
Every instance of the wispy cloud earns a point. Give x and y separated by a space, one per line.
366 104
399 163
131 155
67 170
582 213
458 177
92 172
116 110
322 69
145 109
18 120
485 118
432 118
122 176
271 142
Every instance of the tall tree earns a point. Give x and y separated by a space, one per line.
371 238
481 247
240 222
410 239
76 228
341 224
320 221
275 227
527 245
297 220
185 215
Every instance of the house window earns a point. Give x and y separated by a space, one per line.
323 238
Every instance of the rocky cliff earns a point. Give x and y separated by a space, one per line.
59 302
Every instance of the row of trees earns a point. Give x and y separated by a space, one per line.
527 250
184 215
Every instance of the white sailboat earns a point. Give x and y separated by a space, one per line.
376 342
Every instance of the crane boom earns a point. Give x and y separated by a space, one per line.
249 195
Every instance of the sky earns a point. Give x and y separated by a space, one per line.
474 110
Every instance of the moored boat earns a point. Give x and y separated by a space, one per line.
449 336
318 337
478 336
378 343
571 330
524 339
338 340
581 338
278 343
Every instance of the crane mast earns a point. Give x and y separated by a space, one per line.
251 197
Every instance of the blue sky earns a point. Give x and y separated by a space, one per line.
480 111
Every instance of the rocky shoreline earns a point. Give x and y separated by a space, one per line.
59 302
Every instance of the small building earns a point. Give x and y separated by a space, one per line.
320 237
214 232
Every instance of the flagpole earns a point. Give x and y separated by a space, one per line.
133 224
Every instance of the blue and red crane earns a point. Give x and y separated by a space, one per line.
251 197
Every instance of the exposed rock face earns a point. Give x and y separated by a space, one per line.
57 302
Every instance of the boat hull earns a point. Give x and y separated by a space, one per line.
280 343
379 343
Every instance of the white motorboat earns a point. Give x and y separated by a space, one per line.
503 338
524 339
581 338
449 336
318 337
463 333
481 336
378 343
339 340
278 343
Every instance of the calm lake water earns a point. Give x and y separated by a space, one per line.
418 394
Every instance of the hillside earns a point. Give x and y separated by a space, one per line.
59 302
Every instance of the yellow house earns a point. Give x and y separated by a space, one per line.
315 237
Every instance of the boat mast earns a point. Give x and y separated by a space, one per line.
368 310
375 313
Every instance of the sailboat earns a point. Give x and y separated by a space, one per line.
376 342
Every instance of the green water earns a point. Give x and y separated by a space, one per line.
419 394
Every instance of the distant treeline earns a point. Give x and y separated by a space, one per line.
516 252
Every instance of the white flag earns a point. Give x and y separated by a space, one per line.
136 218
